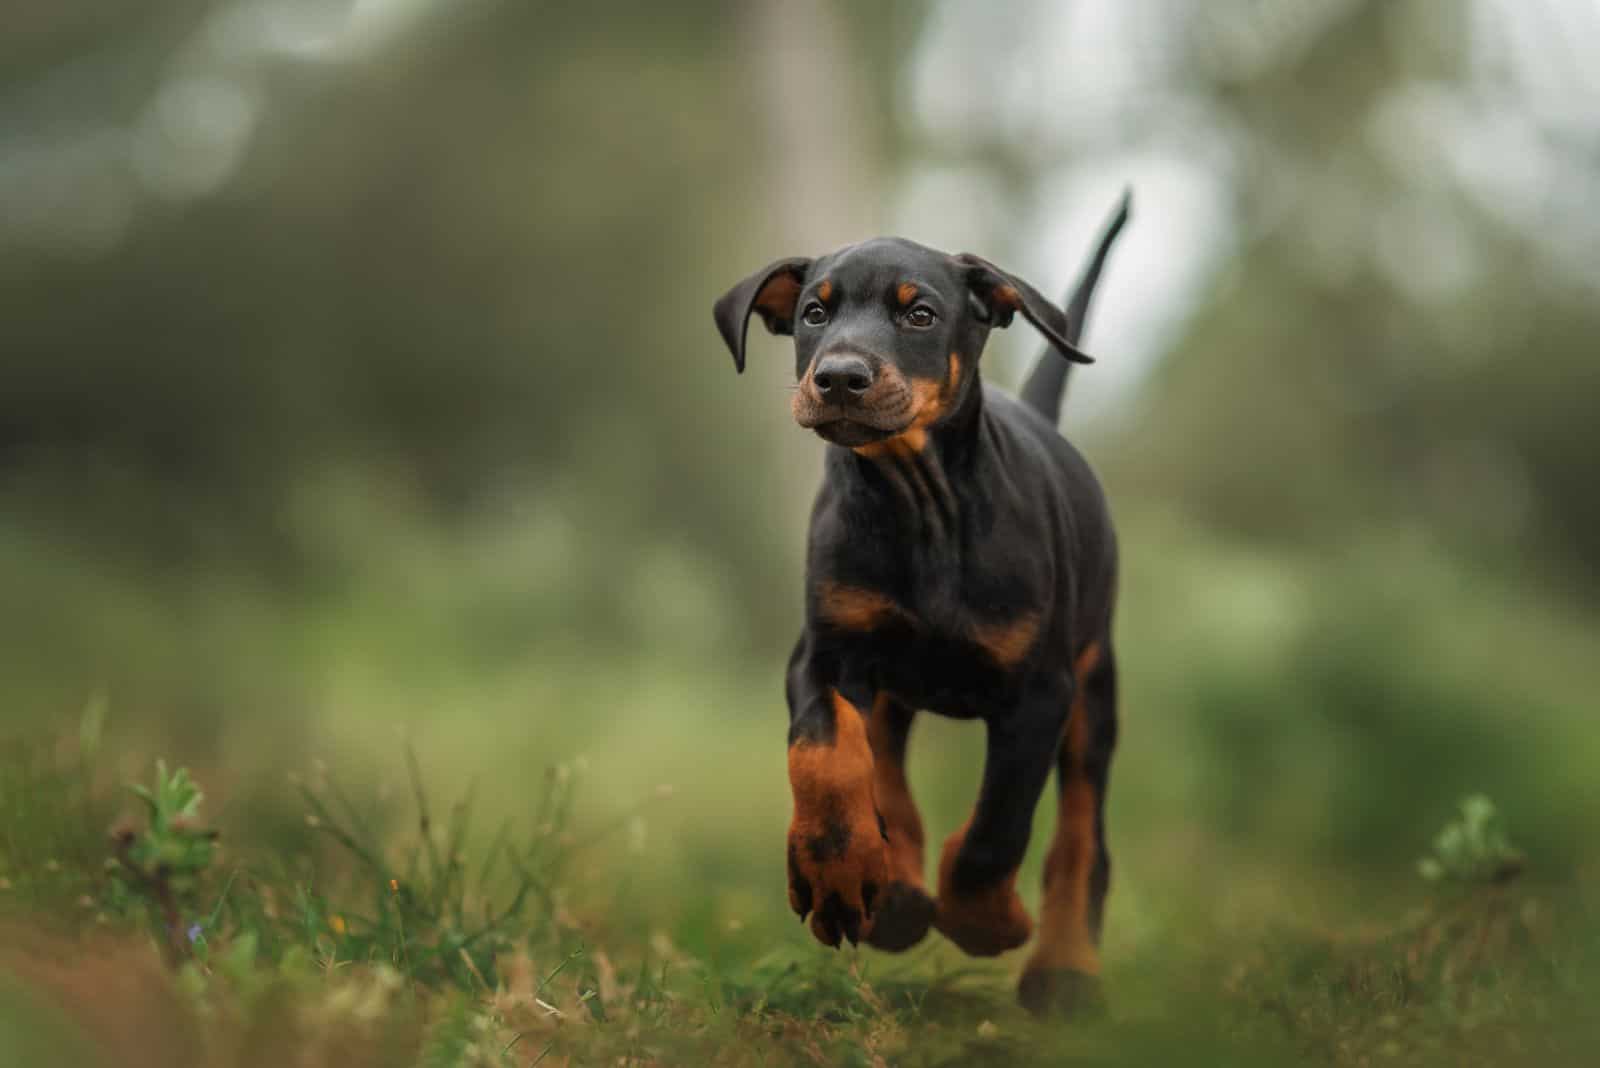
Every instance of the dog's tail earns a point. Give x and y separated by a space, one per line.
1045 385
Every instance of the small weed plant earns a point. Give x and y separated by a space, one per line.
1473 849
158 868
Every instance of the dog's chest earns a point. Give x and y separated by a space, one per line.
947 638
957 671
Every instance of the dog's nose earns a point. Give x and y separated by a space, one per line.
842 378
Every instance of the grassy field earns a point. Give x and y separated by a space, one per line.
433 853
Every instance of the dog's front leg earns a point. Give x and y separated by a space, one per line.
904 910
979 909
838 851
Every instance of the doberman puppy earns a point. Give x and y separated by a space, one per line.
961 560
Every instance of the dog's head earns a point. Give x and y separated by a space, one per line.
887 333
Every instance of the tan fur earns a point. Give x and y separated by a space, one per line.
930 401
833 786
1008 643
1065 940
854 608
985 923
893 792
778 296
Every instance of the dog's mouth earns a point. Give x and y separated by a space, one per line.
851 425
851 432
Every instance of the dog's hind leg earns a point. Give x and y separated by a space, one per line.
1063 972
905 911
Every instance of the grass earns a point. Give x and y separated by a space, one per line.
396 931
434 853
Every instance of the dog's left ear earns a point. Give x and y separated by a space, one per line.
772 291
1004 294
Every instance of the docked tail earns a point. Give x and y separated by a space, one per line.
1045 385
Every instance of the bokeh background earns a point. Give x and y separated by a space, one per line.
358 384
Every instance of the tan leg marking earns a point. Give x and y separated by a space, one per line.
905 911
838 861
893 793
986 923
1065 937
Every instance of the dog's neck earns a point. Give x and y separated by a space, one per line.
915 475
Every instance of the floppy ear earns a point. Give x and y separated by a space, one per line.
1005 294
772 291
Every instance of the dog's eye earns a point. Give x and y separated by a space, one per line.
921 317
814 315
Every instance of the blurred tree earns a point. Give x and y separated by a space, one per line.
258 258
1393 343
1387 326
469 269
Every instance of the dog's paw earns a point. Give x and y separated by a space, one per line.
986 923
837 875
1060 992
904 914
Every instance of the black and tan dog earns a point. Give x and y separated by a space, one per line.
961 560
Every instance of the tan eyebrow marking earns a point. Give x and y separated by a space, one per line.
825 290
906 293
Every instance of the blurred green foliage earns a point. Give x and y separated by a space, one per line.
360 391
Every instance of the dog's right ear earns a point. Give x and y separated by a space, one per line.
772 291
